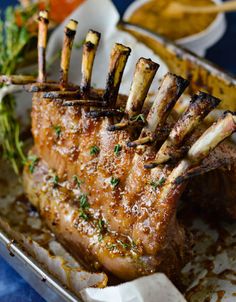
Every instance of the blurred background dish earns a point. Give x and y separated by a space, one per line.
196 32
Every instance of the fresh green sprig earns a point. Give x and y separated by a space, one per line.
111 246
55 181
84 206
84 202
114 181
57 130
77 181
117 149
13 45
123 244
94 150
33 160
84 216
158 184
139 117
101 228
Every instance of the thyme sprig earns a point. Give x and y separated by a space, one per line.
94 150
84 206
158 183
114 181
117 149
14 39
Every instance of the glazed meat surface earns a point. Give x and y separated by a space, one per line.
117 188
101 202
106 172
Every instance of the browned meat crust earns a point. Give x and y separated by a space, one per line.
95 243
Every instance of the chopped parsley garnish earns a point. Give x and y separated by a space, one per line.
84 202
111 246
133 245
32 161
117 149
55 181
114 181
123 244
84 205
101 224
157 184
139 117
57 130
94 150
100 237
84 215
77 181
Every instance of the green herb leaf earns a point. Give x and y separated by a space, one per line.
101 224
84 202
32 161
133 245
13 42
139 117
55 181
57 130
94 150
100 237
111 246
158 184
123 244
117 149
77 181
84 215
114 181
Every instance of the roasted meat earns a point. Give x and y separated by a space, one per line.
106 172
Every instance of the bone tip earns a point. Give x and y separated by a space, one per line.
181 83
93 37
212 99
148 64
230 113
72 25
43 14
122 48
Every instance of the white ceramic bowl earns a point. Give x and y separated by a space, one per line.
197 43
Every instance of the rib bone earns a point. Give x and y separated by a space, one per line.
219 131
17 79
42 42
119 57
171 88
70 31
198 109
89 52
62 95
143 77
